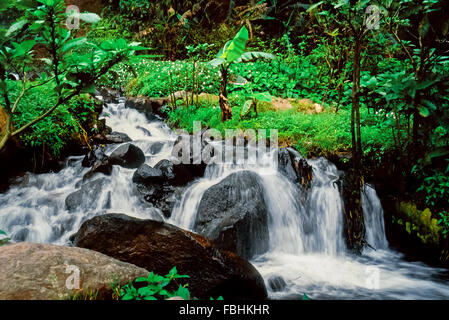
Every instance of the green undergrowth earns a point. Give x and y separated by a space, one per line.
419 223
311 134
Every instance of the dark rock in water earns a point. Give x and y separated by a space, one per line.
93 156
146 131
109 95
87 197
149 106
276 283
148 175
189 161
128 156
157 185
158 246
156 148
166 166
21 235
99 167
234 215
114 137
293 166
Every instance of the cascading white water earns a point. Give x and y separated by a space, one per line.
33 209
374 218
306 242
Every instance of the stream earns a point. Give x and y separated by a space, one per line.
306 242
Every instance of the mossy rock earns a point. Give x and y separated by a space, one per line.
418 222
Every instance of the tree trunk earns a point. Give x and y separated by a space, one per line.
226 111
355 221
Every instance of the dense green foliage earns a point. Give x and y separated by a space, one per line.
383 84
155 287
71 66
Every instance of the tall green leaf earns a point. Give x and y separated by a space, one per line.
236 47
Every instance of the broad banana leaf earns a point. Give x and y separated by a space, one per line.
248 56
234 49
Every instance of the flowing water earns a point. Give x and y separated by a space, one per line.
306 244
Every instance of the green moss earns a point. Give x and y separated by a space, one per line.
418 222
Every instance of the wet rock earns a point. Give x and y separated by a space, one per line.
166 166
128 156
158 246
158 186
146 131
109 95
276 284
293 166
99 167
156 148
112 138
21 235
149 106
30 271
187 159
148 175
93 156
233 214
87 197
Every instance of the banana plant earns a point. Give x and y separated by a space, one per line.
233 52
252 101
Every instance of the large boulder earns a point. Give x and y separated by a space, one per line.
158 246
233 214
30 271
128 156
87 196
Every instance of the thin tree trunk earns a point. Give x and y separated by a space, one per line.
226 111
354 212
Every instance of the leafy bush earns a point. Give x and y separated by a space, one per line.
155 287
418 222
52 133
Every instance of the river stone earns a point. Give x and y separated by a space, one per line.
128 156
234 215
31 271
96 154
148 175
102 166
294 167
112 138
87 197
276 283
159 185
149 106
158 246
156 147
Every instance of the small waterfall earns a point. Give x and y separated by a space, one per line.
305 226
374 218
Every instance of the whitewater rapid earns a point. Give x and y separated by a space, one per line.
306 244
